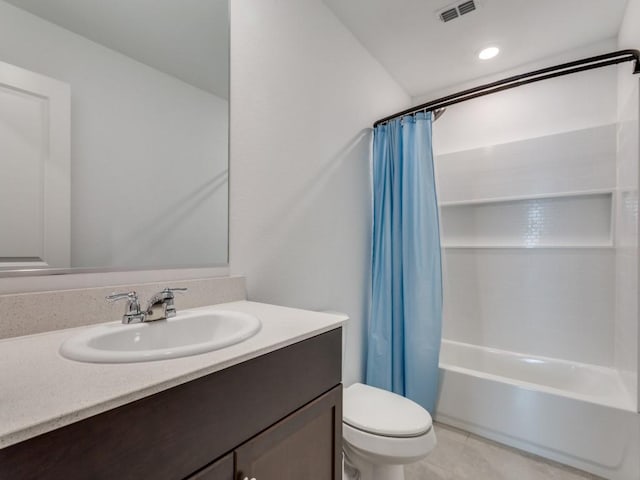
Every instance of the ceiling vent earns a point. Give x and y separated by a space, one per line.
456 10
449 15
466 7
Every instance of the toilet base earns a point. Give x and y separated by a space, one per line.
388 472
357 468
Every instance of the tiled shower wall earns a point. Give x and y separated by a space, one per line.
626 264
540 162
533 275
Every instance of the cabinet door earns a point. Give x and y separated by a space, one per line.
219 470
305 445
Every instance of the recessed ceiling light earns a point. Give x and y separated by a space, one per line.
489 52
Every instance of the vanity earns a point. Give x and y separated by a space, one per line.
132 189
267 408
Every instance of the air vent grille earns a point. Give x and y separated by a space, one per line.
456 10
466 7
449 15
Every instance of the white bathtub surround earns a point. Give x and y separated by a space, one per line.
554 302
560 220
528 232
627 331
626 232
29 313
581 381
560 163
577 414
48 391
539 220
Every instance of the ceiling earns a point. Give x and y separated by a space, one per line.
424 54
188 39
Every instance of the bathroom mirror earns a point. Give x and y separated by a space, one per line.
113 135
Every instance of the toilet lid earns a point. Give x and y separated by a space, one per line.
383 413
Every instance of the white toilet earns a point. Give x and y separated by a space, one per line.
382 432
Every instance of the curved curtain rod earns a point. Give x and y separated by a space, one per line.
523 79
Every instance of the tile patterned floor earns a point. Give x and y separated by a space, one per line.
461 456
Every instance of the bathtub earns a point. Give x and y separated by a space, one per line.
574 413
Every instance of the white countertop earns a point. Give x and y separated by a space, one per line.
40 390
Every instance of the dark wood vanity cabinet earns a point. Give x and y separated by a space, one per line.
278 416
222 469
305 445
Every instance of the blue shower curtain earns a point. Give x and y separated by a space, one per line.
406 288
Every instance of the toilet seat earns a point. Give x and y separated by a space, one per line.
393 450
379 412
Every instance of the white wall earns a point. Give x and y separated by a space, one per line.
629 35
556 302
626 315
304 94
149 152
536 110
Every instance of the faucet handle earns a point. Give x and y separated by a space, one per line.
165 294
132 311
114 297
174 290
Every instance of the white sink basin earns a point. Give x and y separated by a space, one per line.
189 333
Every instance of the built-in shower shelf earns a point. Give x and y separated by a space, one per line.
480 201
603 246
560 220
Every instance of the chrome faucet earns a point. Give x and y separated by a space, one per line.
132 313
159 307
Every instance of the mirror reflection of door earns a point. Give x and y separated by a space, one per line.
34 161
149 129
